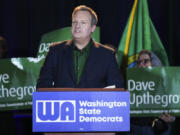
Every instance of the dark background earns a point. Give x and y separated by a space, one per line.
23 22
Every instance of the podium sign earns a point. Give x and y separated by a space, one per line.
81 111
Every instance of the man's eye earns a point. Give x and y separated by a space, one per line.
79 23
83 22
74 22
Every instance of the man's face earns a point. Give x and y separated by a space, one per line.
81 25
144 61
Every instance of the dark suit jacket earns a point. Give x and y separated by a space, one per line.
101 69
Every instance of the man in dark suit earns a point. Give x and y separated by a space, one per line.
80 62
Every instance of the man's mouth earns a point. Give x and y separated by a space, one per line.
77 31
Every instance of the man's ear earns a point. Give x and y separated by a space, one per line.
93 28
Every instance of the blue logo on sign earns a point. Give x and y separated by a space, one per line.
81 111
55 111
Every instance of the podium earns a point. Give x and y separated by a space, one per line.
81 110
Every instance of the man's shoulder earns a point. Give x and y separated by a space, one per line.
61 43
105 47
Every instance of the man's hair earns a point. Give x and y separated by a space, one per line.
145 52
153 57
94 18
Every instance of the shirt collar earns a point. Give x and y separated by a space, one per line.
85 49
